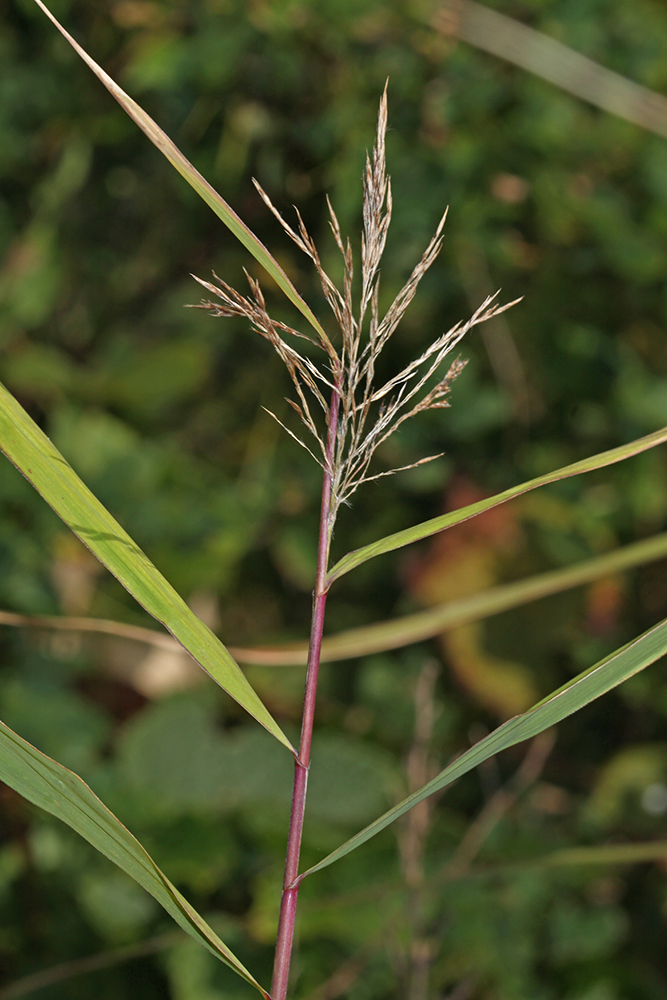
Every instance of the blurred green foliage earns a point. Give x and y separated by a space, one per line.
159 410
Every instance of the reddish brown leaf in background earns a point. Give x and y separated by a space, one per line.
604 603
463 561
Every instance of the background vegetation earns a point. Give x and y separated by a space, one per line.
159 410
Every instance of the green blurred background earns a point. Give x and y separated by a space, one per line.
159 409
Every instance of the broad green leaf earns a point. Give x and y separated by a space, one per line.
425 624
62 793
41 463
224 211
426 528
593 683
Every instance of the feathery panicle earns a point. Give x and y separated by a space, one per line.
369 414
377 206
306 244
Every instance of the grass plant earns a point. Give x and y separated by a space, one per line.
346 415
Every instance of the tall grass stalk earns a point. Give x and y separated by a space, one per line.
358 418
346 416
288 903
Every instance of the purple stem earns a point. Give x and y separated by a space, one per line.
291 883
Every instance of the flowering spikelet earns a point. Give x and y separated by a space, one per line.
368 414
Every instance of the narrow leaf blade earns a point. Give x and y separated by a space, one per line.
65 795
421 625
205 191
41 463
592 684
600 854
427 528
393 634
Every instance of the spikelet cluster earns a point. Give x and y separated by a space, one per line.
368 413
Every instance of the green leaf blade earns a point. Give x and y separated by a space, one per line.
33 454
382 636
190 173
431 527
65 795
588 686
421 625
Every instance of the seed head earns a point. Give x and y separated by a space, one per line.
368 413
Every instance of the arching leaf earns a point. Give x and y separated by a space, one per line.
567 700
427 528
41 463
205 191
62 793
